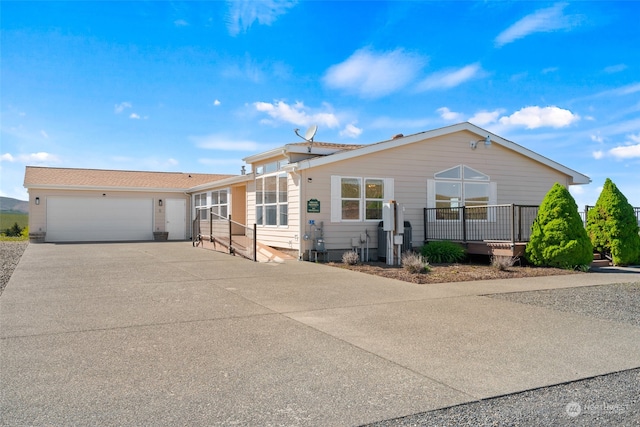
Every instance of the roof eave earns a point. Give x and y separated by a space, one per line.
103 188
221 183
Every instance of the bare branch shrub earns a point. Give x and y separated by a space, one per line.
350 258
503 262
414 263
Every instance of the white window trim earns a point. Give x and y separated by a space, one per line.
278 203
219 205
336 197
431 193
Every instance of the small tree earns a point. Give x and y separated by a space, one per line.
558 237
14 231
612 226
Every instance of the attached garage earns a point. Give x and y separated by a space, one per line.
97 205
99 219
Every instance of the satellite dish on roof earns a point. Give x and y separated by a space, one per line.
308 135
311 132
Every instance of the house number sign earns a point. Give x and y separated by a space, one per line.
313 206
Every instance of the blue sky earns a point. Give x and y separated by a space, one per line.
197 86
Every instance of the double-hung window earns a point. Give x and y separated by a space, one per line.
271 200
220 204
358 198
201 206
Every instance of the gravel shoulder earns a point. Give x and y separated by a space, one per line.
10 254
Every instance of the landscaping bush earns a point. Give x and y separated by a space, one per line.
443 252
415 263
558 237
350 258
612 226
14 231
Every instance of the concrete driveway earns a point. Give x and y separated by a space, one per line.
167 334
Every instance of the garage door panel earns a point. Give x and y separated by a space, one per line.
71 219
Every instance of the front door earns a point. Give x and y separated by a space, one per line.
176 219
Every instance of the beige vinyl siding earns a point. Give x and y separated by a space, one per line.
519 180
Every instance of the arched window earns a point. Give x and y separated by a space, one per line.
461 186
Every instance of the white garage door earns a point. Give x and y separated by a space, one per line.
83 219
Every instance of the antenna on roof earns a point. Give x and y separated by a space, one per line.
308 135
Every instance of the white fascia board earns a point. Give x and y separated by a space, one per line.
576 177
266 155
221 183
304 149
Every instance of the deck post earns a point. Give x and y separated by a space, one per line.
255 243
230 237
513 213
519 223
424 220
211 224
464 224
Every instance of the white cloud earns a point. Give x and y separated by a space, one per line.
541 21
351 131
536 117
119 108
634 138
297 114
243 13
450 78
449 115
223 143
598 154
626 152
44 134
374 74
38 158
482 118
615 68
597 138
216 102
180 23
134 116
549 70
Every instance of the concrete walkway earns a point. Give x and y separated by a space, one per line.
168 334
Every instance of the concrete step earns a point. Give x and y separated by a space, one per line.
599 260
600 263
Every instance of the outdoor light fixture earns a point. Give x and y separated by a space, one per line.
487 142
160 202
37 200
309 179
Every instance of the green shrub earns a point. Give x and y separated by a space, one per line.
415 263
612 226
443 252
14 231
558 237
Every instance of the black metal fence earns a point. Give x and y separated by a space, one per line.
587 208
511 223
222 231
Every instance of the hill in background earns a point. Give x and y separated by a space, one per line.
9 205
